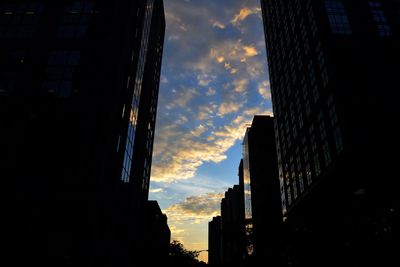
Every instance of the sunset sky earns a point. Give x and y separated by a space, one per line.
214 80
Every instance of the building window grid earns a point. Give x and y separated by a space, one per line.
380 19
60 72
19 21
337 17
75 20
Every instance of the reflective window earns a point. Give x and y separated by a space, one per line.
136 87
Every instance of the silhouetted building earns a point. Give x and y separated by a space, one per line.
78 97
333 69
265 191
215 242
233 246
158 235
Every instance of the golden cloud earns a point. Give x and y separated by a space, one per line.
240 85
178 154
228 108
242 15
220 59
264 91
196 207
250 51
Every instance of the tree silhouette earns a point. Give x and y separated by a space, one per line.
181 257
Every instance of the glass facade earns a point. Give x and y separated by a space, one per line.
246 177
247 195
137 89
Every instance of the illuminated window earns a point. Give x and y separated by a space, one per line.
337 17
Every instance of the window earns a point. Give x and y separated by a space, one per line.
337 17
75 20
19 21
317 166
338 140
380 19
118 142
60 72
322 130
327 154
384 30
313 142
333 115
305 153
313 81
294 189
375 4
289 195
301 182
308 174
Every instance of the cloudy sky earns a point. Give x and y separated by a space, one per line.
214 80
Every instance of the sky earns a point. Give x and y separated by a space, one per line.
214 79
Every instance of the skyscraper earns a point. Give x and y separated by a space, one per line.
262 168
215 241
333 68
232 221
78 92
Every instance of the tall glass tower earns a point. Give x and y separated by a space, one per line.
79 85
